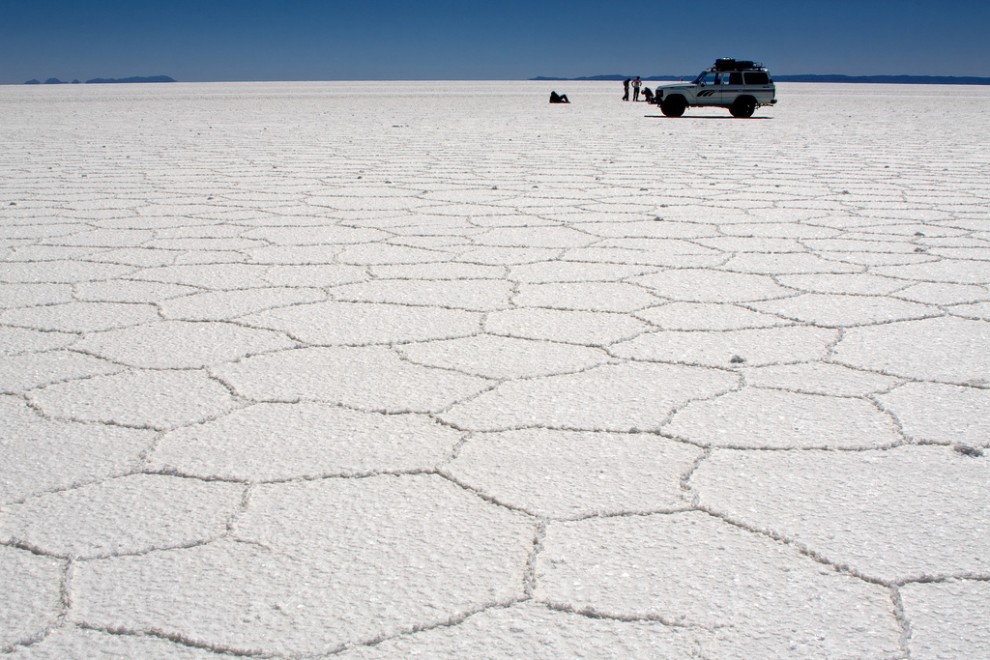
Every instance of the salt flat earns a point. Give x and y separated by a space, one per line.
376 370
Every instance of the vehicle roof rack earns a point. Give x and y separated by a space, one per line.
731 64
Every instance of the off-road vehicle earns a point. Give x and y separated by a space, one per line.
739 85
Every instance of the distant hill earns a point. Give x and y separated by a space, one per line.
812 78
133 79
98 81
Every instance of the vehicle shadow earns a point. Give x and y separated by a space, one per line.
684 117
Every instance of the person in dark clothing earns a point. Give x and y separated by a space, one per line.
625 88
648 94
558 98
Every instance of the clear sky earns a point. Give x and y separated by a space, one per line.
201 40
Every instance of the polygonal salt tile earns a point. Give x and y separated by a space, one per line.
548 237
32 596
934 293
181 344
24 372
82 643
531 630
381 556
780 230
205 244
377 253
843 310
577 327
782 264
565 474
573 271
129 515
42 455
507 256
210 276
759 346
658 228
136 256
504 357
626 397
862 284
475 295
444 271
948 619
961 271
756 597
943 349
109 238
977 311
372 378
321 275
707 316
818 378
293 254
309 439
130 291
14 341
226 305
24 295
692 285
640 257
329 235
346 323
80 316
941 413
61 272
585 296
894 515
153 399
774 419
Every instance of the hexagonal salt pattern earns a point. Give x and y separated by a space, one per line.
745 593
32 596
948 620
903 514
447 371
380 556
309 439
591 474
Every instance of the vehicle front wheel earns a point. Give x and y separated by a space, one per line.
743 107
673 106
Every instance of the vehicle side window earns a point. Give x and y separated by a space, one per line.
710 78
735 78
757 78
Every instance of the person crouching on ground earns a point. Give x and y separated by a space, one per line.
558 98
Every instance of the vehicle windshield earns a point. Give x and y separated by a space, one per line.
701 77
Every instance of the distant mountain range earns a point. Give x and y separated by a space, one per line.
813 78
97 81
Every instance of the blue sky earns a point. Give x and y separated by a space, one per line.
200 40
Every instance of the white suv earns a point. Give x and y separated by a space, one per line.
741 86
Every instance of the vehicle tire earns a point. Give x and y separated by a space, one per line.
743 107
673 106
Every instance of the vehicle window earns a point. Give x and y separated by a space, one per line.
711 78
735 78
757 78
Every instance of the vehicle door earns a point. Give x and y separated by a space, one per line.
709 91
731 86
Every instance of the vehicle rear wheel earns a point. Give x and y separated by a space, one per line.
673 106
743 107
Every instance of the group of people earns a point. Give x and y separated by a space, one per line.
637 85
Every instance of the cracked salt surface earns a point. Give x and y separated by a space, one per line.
302 370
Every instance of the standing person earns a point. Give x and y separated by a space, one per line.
625 87
636 85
